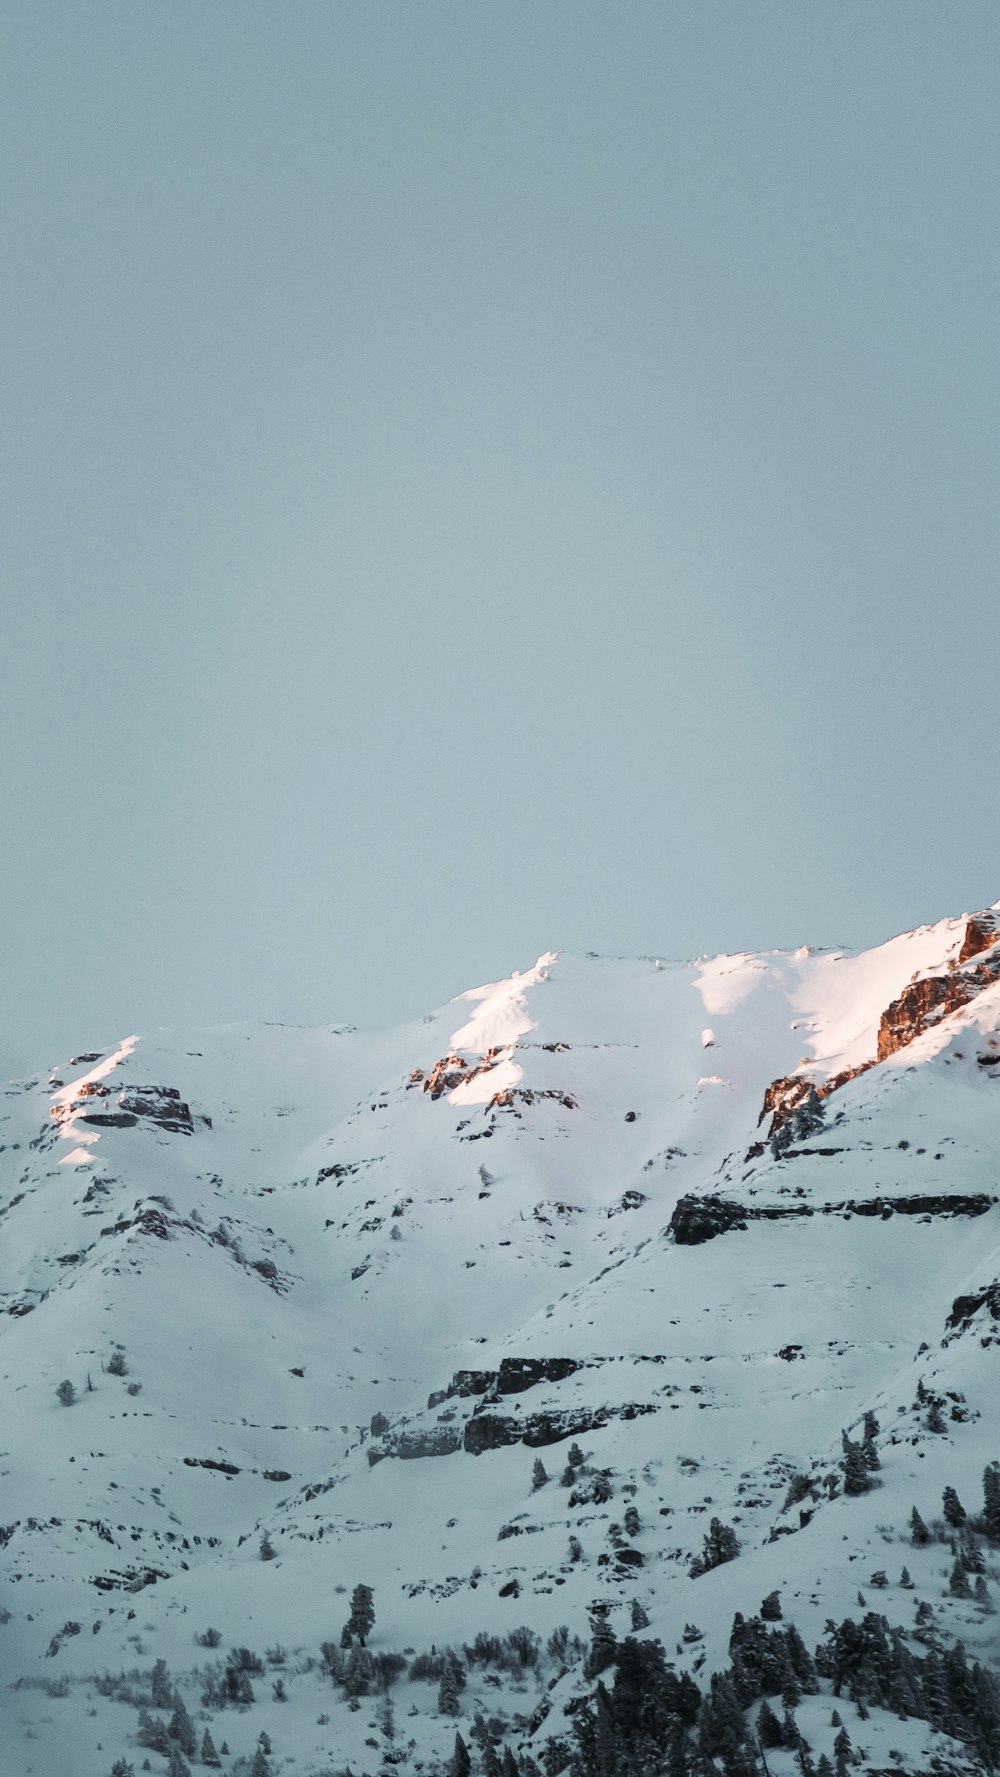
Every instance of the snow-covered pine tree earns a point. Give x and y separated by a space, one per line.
539 1475
362 1618
161 1687
603 1646
448 1689
769 1731
461 1762
869 1449
209 1756
721 1544
181 1728
920 1536
958 1582
854 1466
954 1511
991 1501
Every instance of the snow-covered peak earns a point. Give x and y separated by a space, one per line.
334 1293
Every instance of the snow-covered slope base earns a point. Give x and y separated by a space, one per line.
555 1320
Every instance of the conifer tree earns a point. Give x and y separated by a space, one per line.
603 1646
461 1763
958 1583
842 1753
854 1466
181 1728
259 1766
991 1501
357 1679
209 1756
448 1689
721 1544
162 1689
869 1448
177 1765
574 1456
769 1731
954 1510
539 1476
920 1536
66 1394
935 1418
267 1549
770 1610
639 1618
362 1618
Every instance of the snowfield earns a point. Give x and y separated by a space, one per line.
325 1298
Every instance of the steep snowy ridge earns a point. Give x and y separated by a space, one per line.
335 1293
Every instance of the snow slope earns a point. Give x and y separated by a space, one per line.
362 1280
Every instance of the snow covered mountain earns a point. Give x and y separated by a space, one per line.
607 1302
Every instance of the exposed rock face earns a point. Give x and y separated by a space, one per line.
163 1105
519 1373
964 1307
513 1377
466 1382
491 1431
698 1219
432 1440
454 1070
512 1096
788 1094
921 1004
981 933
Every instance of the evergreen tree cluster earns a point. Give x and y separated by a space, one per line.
721 1544
642 1723
873 1664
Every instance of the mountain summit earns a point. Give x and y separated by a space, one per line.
601 1370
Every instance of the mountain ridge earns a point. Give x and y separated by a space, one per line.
352 1276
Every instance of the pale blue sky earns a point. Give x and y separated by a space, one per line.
482 478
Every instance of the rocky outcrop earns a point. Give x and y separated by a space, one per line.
469 1382
698 1219
513 1377
982 931
924 1003
518 1373
492 1431
410 1443
921 1004
454 1070
965 1307
512 1096
787 1095
162 1105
